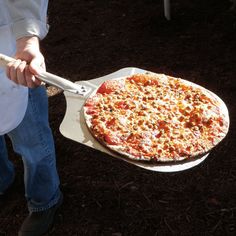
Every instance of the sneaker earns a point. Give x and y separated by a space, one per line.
39 223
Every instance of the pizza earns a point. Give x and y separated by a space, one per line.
155 117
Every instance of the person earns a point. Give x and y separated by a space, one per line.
24 113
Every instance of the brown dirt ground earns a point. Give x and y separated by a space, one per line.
106 196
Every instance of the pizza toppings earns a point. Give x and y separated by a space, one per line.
155 117
110 86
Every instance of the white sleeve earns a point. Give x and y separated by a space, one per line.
28 17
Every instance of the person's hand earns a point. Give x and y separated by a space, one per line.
29 62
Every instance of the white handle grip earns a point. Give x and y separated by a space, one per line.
4 60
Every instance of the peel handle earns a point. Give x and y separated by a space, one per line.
4 60
52 79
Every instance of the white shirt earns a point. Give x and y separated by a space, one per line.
18 18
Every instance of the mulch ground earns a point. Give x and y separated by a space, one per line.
109 197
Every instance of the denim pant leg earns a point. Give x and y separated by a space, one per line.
33 140
7 172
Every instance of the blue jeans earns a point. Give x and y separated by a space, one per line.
33 140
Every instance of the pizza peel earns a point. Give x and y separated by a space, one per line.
75 128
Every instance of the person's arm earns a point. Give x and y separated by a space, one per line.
29 25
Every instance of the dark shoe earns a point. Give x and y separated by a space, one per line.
8 191
39 223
